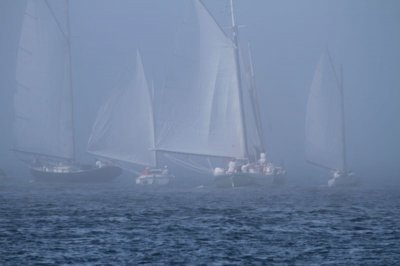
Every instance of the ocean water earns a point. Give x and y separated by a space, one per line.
121 224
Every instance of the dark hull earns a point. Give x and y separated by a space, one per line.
88 175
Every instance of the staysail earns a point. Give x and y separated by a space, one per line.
43 122
124 128
201 103
324 119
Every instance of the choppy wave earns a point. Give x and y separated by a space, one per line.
121 224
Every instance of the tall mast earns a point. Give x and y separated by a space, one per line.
339 80
239 79
70 79
343 121
153 118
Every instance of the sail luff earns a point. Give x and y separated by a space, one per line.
239 80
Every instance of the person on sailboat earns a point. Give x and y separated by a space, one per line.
337 174
165 170
263 159
231 166
146 171
245 167
99 163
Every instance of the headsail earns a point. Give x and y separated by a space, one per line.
201 101
43 101
324 126
124 128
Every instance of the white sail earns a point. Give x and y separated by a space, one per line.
43 98
324 132
124 128
201 102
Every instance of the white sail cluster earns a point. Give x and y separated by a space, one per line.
205 109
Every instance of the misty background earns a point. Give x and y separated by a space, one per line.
287 39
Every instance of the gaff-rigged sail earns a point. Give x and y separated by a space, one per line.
124 128
324 125
43 100
201 103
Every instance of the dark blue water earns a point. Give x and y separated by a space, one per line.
121 224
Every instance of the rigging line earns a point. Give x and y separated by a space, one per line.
198 165
56 20
255 101
320 165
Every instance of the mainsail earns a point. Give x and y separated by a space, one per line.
324 119
201 104
43 100
124 128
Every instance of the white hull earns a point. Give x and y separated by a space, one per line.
154 179
343 181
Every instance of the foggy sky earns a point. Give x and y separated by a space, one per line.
287 39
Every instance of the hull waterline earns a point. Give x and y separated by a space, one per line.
247 179
89 175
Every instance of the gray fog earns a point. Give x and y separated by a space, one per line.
287 39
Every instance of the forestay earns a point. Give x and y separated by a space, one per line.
324 132
200 104
43 97
124 128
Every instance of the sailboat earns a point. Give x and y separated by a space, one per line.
325 140
44 102
124 130
207 110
